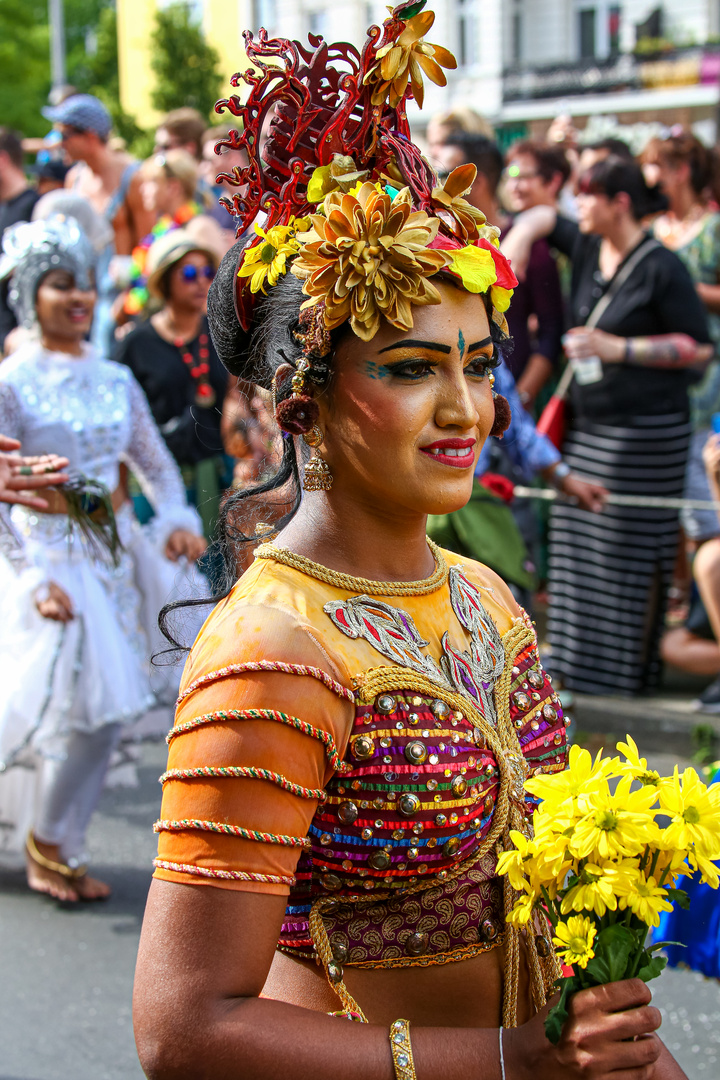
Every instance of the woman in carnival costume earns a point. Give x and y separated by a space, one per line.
359 713
74 649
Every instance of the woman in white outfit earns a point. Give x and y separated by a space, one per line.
75 626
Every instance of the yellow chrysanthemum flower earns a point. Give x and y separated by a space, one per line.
522 911
634 765
595 891
512 862
574 940
582 776
644 897
615 825
695 812
267 262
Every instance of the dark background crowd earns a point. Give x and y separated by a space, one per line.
588 226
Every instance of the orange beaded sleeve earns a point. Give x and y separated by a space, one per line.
262 723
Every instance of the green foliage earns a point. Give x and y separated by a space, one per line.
24 64
187 67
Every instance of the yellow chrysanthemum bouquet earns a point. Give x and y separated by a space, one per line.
611 838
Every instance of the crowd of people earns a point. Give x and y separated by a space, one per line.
132 423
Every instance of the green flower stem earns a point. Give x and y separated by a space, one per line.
553 912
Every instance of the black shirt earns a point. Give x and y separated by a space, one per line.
191 432
658 298
11 211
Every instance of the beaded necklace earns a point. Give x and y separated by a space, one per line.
205 396
358 584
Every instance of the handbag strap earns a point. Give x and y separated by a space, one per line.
619 278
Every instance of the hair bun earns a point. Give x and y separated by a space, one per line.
231 342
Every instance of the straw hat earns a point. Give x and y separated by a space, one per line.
169 249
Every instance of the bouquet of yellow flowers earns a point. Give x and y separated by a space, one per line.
604 861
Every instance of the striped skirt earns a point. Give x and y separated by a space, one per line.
610 573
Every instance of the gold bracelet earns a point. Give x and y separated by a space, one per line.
402 1050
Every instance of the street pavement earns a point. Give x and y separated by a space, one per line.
66 971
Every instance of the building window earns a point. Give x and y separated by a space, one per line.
517 34
467 33
598 29
586 29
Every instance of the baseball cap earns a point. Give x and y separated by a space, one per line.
82 111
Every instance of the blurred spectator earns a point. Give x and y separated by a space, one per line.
108 180
460 119
538 295
695 646
535 175
50 176
212 164
634 364
17 200
168 186
173 358
181 129
250 434
685 170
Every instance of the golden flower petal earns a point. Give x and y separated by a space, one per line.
417 27
390 64
444 57
460 181
433 71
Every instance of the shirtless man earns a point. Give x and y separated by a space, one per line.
105 177
108 179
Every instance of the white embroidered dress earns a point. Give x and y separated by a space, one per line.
95 669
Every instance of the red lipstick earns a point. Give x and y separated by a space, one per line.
458 453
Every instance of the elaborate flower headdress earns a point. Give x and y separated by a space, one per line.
340 195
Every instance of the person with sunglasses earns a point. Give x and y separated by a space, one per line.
173 358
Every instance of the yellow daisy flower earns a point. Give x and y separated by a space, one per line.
595 891
695 812
644 897
267 261
582 775
634 765
615 825
521 913
574 940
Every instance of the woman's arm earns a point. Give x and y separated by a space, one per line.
157 472
665 351
528 226
204 957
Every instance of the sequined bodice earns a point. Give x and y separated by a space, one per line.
79 408
411 818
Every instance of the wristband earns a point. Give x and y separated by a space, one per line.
561 472
401 1048
629 357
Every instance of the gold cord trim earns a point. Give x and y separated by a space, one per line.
358 584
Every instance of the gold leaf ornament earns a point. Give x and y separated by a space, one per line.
449 197
405 60
368 257
341 173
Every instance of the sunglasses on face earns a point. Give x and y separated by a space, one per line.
192 273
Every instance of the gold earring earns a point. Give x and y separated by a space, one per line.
317 472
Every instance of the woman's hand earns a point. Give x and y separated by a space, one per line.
18 474
183 542
589 496
580 343
609 1033
54 603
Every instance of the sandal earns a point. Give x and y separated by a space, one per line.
70 872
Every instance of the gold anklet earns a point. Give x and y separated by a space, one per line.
401 1047
48 864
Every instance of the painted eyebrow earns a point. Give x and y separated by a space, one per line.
479 344
435 345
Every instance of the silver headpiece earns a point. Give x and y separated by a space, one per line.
32 249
